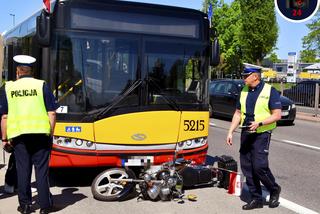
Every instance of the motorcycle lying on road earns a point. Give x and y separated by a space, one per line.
164 182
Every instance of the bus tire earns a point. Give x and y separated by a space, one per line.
104 190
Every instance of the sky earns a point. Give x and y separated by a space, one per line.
289 40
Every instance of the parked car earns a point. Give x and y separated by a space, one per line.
303 93
224 94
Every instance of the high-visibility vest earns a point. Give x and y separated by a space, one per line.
261 110
27 112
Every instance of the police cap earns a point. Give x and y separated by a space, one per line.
24 60
248 71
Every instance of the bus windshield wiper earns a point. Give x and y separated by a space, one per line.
168 100
118 99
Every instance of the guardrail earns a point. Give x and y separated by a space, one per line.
307 95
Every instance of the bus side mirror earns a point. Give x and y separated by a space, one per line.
43 29
214 49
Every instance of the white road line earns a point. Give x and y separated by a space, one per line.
285 141
290 205
212 124
285 203
295 207
300 144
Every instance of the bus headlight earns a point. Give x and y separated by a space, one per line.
89 144
74 143
79 142
192 143
180 144
189 142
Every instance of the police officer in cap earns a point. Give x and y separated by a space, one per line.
28 108
258 110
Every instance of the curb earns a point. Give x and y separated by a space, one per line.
307 116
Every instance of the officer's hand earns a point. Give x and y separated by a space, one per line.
253 126
229 139
4 143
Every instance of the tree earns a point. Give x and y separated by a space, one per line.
259 31
226 21
308 56
311 42
274 58
247 33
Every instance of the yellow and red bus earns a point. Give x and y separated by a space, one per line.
131 79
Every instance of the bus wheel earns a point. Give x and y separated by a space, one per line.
104 190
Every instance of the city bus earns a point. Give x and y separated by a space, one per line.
131 79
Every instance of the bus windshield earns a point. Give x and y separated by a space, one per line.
176 70
94 69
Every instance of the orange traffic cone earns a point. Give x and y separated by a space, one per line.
235 184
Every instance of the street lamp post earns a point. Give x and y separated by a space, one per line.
13 19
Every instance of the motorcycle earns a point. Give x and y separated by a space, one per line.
164 182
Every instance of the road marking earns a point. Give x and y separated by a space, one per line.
278 140
290 205
285 203
300 144
295 207
212 124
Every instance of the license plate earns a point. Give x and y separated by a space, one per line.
284 113
138 161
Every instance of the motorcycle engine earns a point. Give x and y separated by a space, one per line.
169 186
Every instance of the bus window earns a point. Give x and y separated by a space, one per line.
101 67
176 70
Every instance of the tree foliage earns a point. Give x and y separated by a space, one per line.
274 58
311 42
247 33
308 56
226 21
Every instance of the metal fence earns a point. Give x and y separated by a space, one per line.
304 94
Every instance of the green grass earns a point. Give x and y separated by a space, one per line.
285 85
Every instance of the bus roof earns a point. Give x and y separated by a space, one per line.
141 5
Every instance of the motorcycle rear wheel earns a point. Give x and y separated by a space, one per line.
104 190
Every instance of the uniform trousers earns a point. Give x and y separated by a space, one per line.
254 162
33 149
11 173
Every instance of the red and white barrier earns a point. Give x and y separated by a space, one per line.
235 184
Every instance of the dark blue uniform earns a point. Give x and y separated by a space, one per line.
254 147
32 149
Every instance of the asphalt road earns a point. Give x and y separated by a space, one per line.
295 168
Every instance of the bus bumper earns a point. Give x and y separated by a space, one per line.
61 157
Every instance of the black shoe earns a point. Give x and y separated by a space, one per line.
254 204
24 209
47 210
274 198
44 210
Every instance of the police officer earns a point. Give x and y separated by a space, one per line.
28 107
11 174
257 111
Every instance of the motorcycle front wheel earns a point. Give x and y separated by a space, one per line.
105 190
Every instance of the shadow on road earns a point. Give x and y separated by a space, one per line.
73 177
2 165
4 195
67 198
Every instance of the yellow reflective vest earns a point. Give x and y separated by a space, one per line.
27 113
261 110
